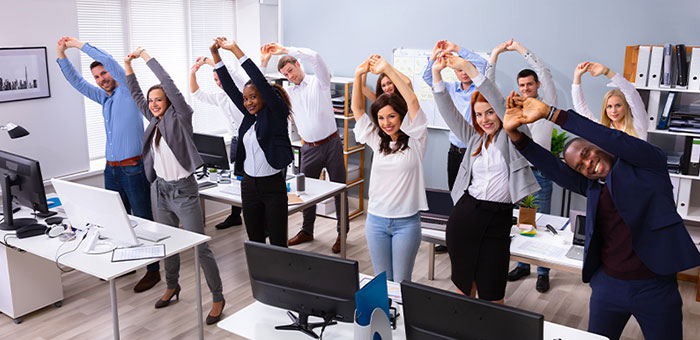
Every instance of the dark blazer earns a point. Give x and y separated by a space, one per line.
640 188
271 120
175 124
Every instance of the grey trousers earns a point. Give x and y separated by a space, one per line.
328 155
178 201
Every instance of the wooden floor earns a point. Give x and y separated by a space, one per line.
86 312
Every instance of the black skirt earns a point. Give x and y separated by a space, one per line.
478 242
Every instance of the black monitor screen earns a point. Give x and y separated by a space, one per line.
580 230
432 313
20 177
439 202
212 149
307 283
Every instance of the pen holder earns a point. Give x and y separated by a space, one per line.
379 323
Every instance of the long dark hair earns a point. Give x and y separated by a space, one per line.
280 92
399 105
380 91
157 87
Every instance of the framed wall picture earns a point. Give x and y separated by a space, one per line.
24 73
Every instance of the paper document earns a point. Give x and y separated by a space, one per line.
138 253
542 249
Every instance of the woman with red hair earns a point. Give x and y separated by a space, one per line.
490 180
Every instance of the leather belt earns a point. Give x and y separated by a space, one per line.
322 141
126 162
457 149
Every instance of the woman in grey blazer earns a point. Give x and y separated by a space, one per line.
490 179
170 159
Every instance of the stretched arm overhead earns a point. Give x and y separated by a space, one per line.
379 65
490 71
75 78
449 112
134 88
357 103
306 55
177 100
194 86
580 104
366 91
547 90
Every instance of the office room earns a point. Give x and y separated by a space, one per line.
166 42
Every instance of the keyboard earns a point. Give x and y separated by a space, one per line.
149 235
205 184
576 253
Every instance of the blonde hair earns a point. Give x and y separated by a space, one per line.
627 119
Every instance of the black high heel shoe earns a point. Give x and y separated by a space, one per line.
164 303
214 319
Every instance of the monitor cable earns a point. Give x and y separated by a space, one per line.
327 320
58 256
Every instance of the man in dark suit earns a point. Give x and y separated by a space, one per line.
635 240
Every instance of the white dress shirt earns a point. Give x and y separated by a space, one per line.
490 176
311 99
397 188
165 164
255 164
224 103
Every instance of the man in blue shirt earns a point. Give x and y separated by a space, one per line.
461 93
124 131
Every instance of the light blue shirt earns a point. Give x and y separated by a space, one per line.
123 120
461 98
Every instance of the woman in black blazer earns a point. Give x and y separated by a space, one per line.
264 149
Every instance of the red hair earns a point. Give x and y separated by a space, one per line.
478 97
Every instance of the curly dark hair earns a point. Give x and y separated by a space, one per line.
399 105
280 92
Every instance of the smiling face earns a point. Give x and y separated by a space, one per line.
588 159
615 109
528 86
293 72
389 121
157 102
252 100
486 117
387 85
103 79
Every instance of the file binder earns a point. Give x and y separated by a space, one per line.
682 62
663 120
694 70
642 66
656 66
668 60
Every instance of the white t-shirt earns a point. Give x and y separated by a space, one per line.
397 188
490 175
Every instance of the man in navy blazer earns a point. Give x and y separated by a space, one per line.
635 240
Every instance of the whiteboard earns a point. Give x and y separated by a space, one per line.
412 62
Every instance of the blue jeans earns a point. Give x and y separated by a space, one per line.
135 191
543 199
655 303
393 244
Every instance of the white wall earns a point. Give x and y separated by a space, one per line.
57 124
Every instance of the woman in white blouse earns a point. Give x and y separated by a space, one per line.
397 133
623 108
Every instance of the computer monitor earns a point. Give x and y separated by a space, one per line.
212 149
102 210
20 177
580 231
432 313
307 283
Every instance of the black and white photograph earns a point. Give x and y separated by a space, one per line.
23 74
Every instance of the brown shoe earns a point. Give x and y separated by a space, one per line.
299 238
148 281
336 246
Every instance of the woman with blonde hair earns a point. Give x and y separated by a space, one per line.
623 108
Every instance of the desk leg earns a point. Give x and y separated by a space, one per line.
198 288
343 223
115 314
204 216
431 261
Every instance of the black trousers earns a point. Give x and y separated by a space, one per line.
265 208
454 159
235 211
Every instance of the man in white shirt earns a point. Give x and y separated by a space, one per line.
312 111
232 113
537 83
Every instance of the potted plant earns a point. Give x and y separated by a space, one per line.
528 211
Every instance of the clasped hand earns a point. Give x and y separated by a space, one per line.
521 111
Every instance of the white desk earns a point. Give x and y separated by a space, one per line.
316 191
101 265
257 321
543 249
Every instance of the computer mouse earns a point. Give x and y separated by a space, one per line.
31 230
53 220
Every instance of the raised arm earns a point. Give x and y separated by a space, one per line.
177 100
110 64
487 87
639 113
379 65
547 90
357 103
428 71
580 104
449 112
75 78
134 88
306 55
490 71
365 90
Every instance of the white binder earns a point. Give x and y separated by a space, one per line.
656 66
694 70
642 66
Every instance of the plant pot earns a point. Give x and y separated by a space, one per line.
527 216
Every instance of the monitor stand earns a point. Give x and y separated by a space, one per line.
10 223
95 246
303 325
